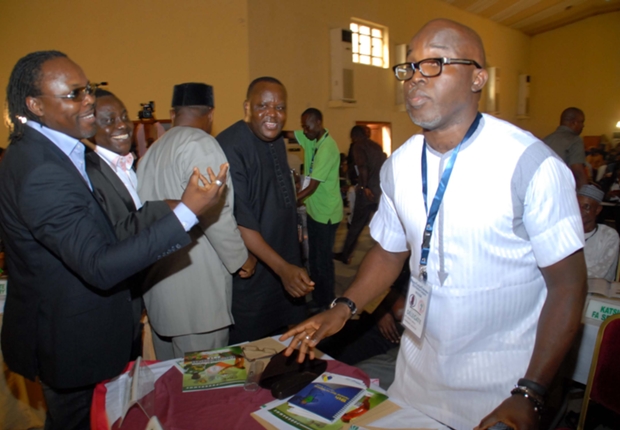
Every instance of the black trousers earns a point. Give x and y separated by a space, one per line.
362 212
68 409
321 243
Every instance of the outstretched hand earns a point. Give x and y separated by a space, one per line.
200 198
310 332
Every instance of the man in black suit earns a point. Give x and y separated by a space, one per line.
65 319
110 170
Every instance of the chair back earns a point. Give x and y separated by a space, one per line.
603 386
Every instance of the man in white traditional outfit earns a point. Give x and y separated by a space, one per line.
602 242
498 278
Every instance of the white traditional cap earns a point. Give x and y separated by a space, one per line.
591 191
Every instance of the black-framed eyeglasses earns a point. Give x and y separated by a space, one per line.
429 67
78 94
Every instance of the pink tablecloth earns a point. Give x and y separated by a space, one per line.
226 408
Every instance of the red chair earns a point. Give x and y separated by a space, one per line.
601 403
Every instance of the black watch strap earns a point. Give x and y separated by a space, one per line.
352 307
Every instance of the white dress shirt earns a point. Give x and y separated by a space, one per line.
123 170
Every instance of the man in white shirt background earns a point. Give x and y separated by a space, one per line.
602 242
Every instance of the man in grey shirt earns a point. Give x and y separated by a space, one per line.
567 143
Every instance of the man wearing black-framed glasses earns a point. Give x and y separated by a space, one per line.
498 274
429 67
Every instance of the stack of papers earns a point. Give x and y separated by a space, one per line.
204 370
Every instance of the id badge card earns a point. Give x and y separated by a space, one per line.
306 182
416 308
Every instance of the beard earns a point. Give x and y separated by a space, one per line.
425 123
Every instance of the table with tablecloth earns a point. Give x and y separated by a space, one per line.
223 408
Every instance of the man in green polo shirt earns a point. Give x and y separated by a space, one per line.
321 195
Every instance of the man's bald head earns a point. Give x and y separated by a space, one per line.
569 114
448 99
573 118
451 35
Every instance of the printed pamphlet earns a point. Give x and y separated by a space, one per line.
203 370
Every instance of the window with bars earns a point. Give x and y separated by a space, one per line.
369 44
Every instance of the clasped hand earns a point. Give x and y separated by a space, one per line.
296 280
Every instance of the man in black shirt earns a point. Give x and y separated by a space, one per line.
266 212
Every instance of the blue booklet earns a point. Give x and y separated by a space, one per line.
327 398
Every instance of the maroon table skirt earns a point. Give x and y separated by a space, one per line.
225 408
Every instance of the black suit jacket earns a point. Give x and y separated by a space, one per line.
65 321
116 201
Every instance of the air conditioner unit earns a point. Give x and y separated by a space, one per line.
523 105
342 82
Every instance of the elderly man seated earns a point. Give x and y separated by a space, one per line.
601 250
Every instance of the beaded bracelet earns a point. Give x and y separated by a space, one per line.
534 386
531 396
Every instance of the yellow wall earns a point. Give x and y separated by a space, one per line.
142 48
577 65
290 40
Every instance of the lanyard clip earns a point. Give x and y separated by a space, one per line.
426 239
423 275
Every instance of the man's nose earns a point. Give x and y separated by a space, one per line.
89 99
121 124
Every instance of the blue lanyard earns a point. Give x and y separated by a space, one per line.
316 149
441 189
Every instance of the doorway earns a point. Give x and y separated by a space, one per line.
380 132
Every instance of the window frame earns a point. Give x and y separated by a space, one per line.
368 57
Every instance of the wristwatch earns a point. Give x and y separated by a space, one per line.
352 307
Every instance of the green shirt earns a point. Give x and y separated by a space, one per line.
325 204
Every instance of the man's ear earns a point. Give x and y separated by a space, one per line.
246 111
599 209
34 105
173 115
481 76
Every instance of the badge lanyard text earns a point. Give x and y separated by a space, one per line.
441 189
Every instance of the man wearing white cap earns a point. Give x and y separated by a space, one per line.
188 296
602 242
